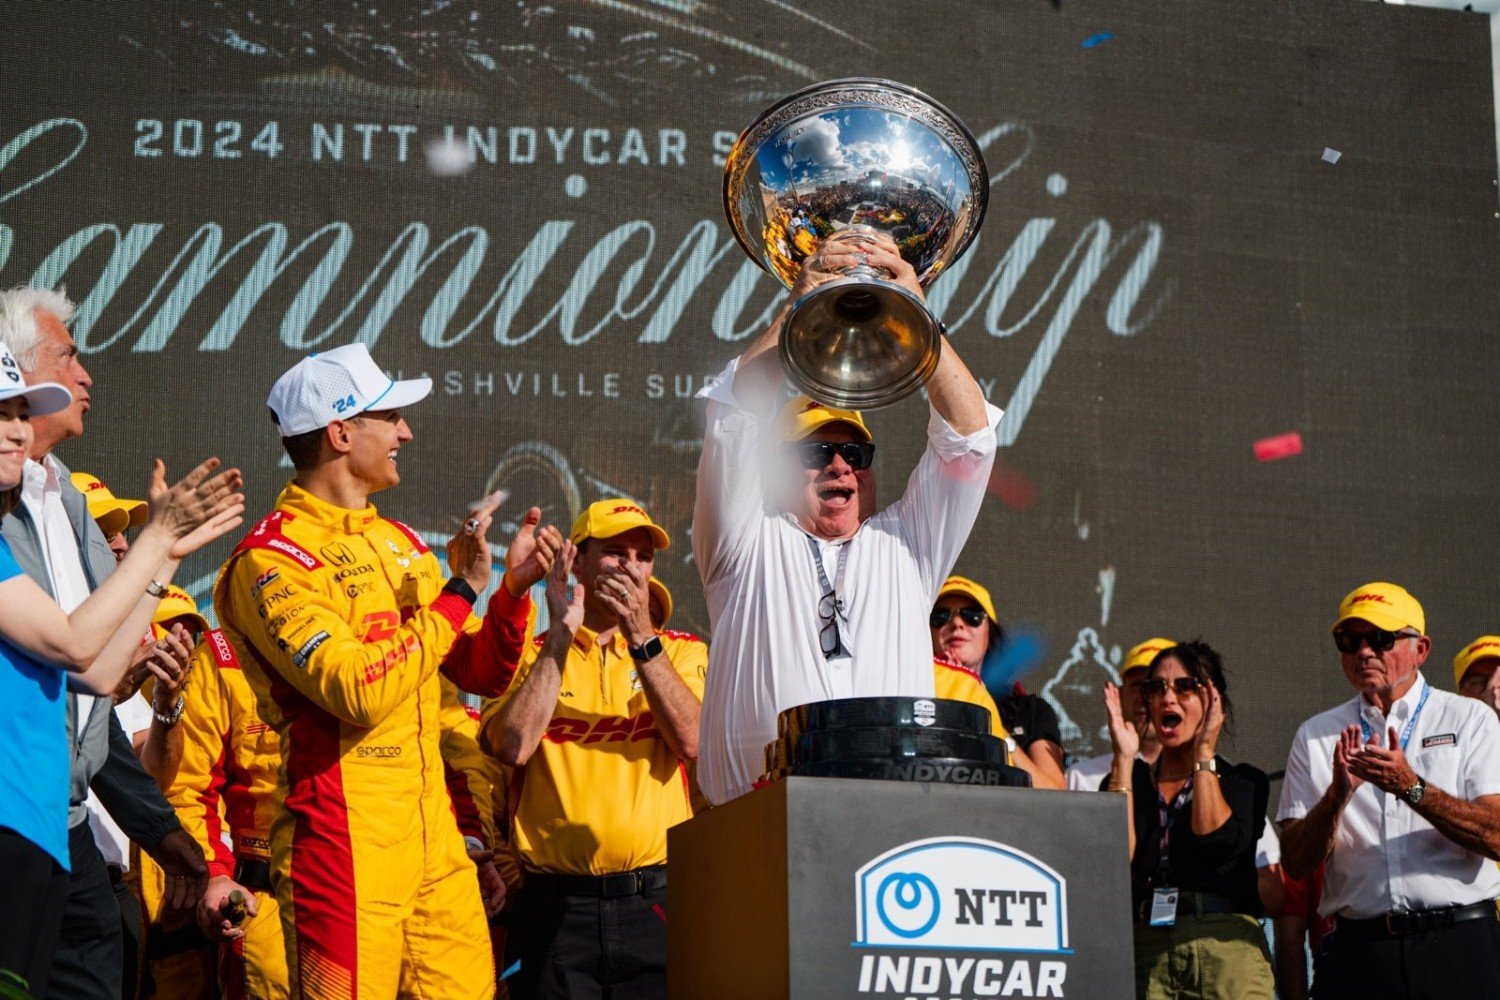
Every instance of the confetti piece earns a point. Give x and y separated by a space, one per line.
1096 40
1014 490
1022 650
659 911
448 158
1331 155
1281 446
514 968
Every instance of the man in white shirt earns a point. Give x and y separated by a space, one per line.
1398 789
812 594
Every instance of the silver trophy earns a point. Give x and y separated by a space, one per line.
854 160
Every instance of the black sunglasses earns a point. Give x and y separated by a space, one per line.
817 454
830 609
1380 640
972 617
1156 687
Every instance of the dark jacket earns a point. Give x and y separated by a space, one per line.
103 758
1222 862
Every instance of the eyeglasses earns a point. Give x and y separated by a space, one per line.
830 610
972 617
1156 687
1349 641
817 454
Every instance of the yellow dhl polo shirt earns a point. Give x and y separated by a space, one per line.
603 786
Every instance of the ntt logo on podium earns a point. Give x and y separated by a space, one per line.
960 894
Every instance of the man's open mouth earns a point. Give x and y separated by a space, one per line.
836 496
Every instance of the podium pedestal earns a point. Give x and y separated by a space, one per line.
823 888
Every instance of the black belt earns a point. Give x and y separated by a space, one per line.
1416 921
164 944
611 886
1194 904
253 874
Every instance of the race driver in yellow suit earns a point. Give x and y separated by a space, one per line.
345 620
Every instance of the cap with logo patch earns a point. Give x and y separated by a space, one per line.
968 588
337 385
608 518
1384 605
176 603
1486 647
111 513
41 398
1141 654
801 416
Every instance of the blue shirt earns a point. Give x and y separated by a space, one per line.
34 765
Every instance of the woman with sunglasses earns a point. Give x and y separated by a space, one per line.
964 630
1194 821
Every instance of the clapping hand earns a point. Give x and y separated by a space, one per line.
1122 734
197 509
531 554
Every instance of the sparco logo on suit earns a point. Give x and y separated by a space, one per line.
961 917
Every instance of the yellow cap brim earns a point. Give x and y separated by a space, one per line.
970 590
1375 615
114 516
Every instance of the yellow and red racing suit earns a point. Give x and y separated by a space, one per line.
343 624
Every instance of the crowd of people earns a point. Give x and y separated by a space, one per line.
297 802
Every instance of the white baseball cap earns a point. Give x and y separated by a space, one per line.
337 385
43 397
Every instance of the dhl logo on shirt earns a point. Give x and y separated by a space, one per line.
609 729
375 671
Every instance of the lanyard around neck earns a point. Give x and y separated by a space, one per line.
1411 724
836 589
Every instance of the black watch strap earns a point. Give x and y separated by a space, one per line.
646 651
458 585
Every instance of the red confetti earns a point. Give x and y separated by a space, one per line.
1281 446
1014 490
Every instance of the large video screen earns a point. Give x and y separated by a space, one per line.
1209 224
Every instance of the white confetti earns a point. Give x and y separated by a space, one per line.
448 158
1331 155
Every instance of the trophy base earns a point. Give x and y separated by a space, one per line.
860 343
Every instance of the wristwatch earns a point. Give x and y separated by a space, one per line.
1413 795
646 651
170 719
1211 766
156 589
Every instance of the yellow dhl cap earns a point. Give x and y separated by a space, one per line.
112 514
963 585
663 597
1141 654
1486 647
176 603
608 518
802 416
1384 605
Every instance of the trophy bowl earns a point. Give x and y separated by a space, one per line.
857 160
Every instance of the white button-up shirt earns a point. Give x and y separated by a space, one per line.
763 588
1386 857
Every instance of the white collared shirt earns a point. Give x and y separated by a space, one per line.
1085 776
763 589
1386 857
